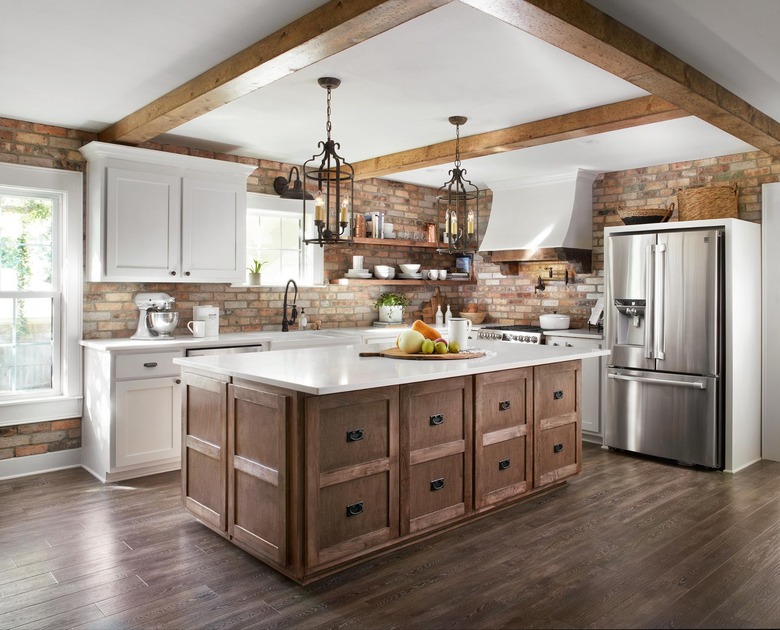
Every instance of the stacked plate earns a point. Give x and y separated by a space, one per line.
410 276
358 273
459 276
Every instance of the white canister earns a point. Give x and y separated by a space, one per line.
458 329
210 315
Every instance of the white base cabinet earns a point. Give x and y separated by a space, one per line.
156 216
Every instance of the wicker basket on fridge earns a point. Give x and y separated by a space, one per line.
708 202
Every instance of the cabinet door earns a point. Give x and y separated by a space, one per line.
436 446
351 473
204 460
257 470
557 429
503 435
143 219
148 421
592 394
213 243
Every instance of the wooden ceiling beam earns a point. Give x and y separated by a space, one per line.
587 122
582 30
327 30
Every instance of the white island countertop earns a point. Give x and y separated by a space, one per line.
340 369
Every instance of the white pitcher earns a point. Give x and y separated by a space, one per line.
458 330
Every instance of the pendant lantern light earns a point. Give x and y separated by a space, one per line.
330 179
458 201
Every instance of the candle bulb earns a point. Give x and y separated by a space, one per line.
470 222
319 207
344 210
446 223
454 226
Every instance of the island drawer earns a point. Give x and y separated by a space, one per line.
504 400
354 434
353 510
435 412
501 471
556 391
558 453
436 491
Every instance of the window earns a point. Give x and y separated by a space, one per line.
273 234
40 293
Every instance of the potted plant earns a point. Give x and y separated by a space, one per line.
254 271
391 307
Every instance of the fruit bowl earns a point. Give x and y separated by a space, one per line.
476 318
409 268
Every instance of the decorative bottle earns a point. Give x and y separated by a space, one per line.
303 321
447 315
439 316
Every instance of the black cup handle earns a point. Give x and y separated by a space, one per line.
558 394
437 419
557 448
504 405
437 484
355 509
355 435
503 464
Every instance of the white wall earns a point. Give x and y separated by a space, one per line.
770 237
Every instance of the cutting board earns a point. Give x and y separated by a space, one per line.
395 353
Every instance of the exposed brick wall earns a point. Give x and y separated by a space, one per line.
39 437
109 310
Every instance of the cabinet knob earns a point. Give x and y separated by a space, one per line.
558 394
504 405
557 448
355 509
187 273
436 419
437 484
173 273
555 343
503 464
568 345
177 381
355 435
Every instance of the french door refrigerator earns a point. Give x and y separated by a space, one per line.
664 327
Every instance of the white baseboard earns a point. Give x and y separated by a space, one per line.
35 464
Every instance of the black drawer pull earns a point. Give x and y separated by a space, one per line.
437 484
503 464
151 364
355 509
558 394
355 435
437 419
504 405
557 448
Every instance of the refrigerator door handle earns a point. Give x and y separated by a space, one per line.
658 381
649 310
659 349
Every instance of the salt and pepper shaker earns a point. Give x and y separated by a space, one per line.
447 315
439 316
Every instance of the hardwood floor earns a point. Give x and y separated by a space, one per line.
632 542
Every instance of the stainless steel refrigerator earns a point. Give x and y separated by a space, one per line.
664 327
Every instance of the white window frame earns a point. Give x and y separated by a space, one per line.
312 254
65 400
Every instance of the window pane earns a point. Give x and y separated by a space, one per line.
26 344
291 230
25 243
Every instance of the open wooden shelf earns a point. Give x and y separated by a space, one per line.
408 283
396 242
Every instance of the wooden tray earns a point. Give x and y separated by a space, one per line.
396 353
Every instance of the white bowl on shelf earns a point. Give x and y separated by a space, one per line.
384 272
409 269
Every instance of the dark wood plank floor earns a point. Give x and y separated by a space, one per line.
632 542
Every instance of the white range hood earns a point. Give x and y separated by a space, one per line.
547 219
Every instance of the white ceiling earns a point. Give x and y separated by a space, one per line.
87 64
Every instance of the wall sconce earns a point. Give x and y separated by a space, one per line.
283 189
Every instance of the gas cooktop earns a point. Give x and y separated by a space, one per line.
516 333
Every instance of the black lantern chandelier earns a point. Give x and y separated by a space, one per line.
458 201
332 181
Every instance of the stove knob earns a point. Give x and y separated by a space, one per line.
526 338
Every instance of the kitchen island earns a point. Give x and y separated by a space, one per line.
312 460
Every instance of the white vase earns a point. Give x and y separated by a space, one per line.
254 279
391 314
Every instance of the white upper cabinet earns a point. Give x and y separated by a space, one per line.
155 216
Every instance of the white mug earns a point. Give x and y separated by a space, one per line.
197 328
357 262
433 274
442 274
458 329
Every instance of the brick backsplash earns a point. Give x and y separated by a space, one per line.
110 312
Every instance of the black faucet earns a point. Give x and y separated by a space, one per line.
294 313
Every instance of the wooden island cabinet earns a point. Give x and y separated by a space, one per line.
313 483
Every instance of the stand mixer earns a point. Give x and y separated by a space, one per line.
156 320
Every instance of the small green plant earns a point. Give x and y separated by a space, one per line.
392 299
257 265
